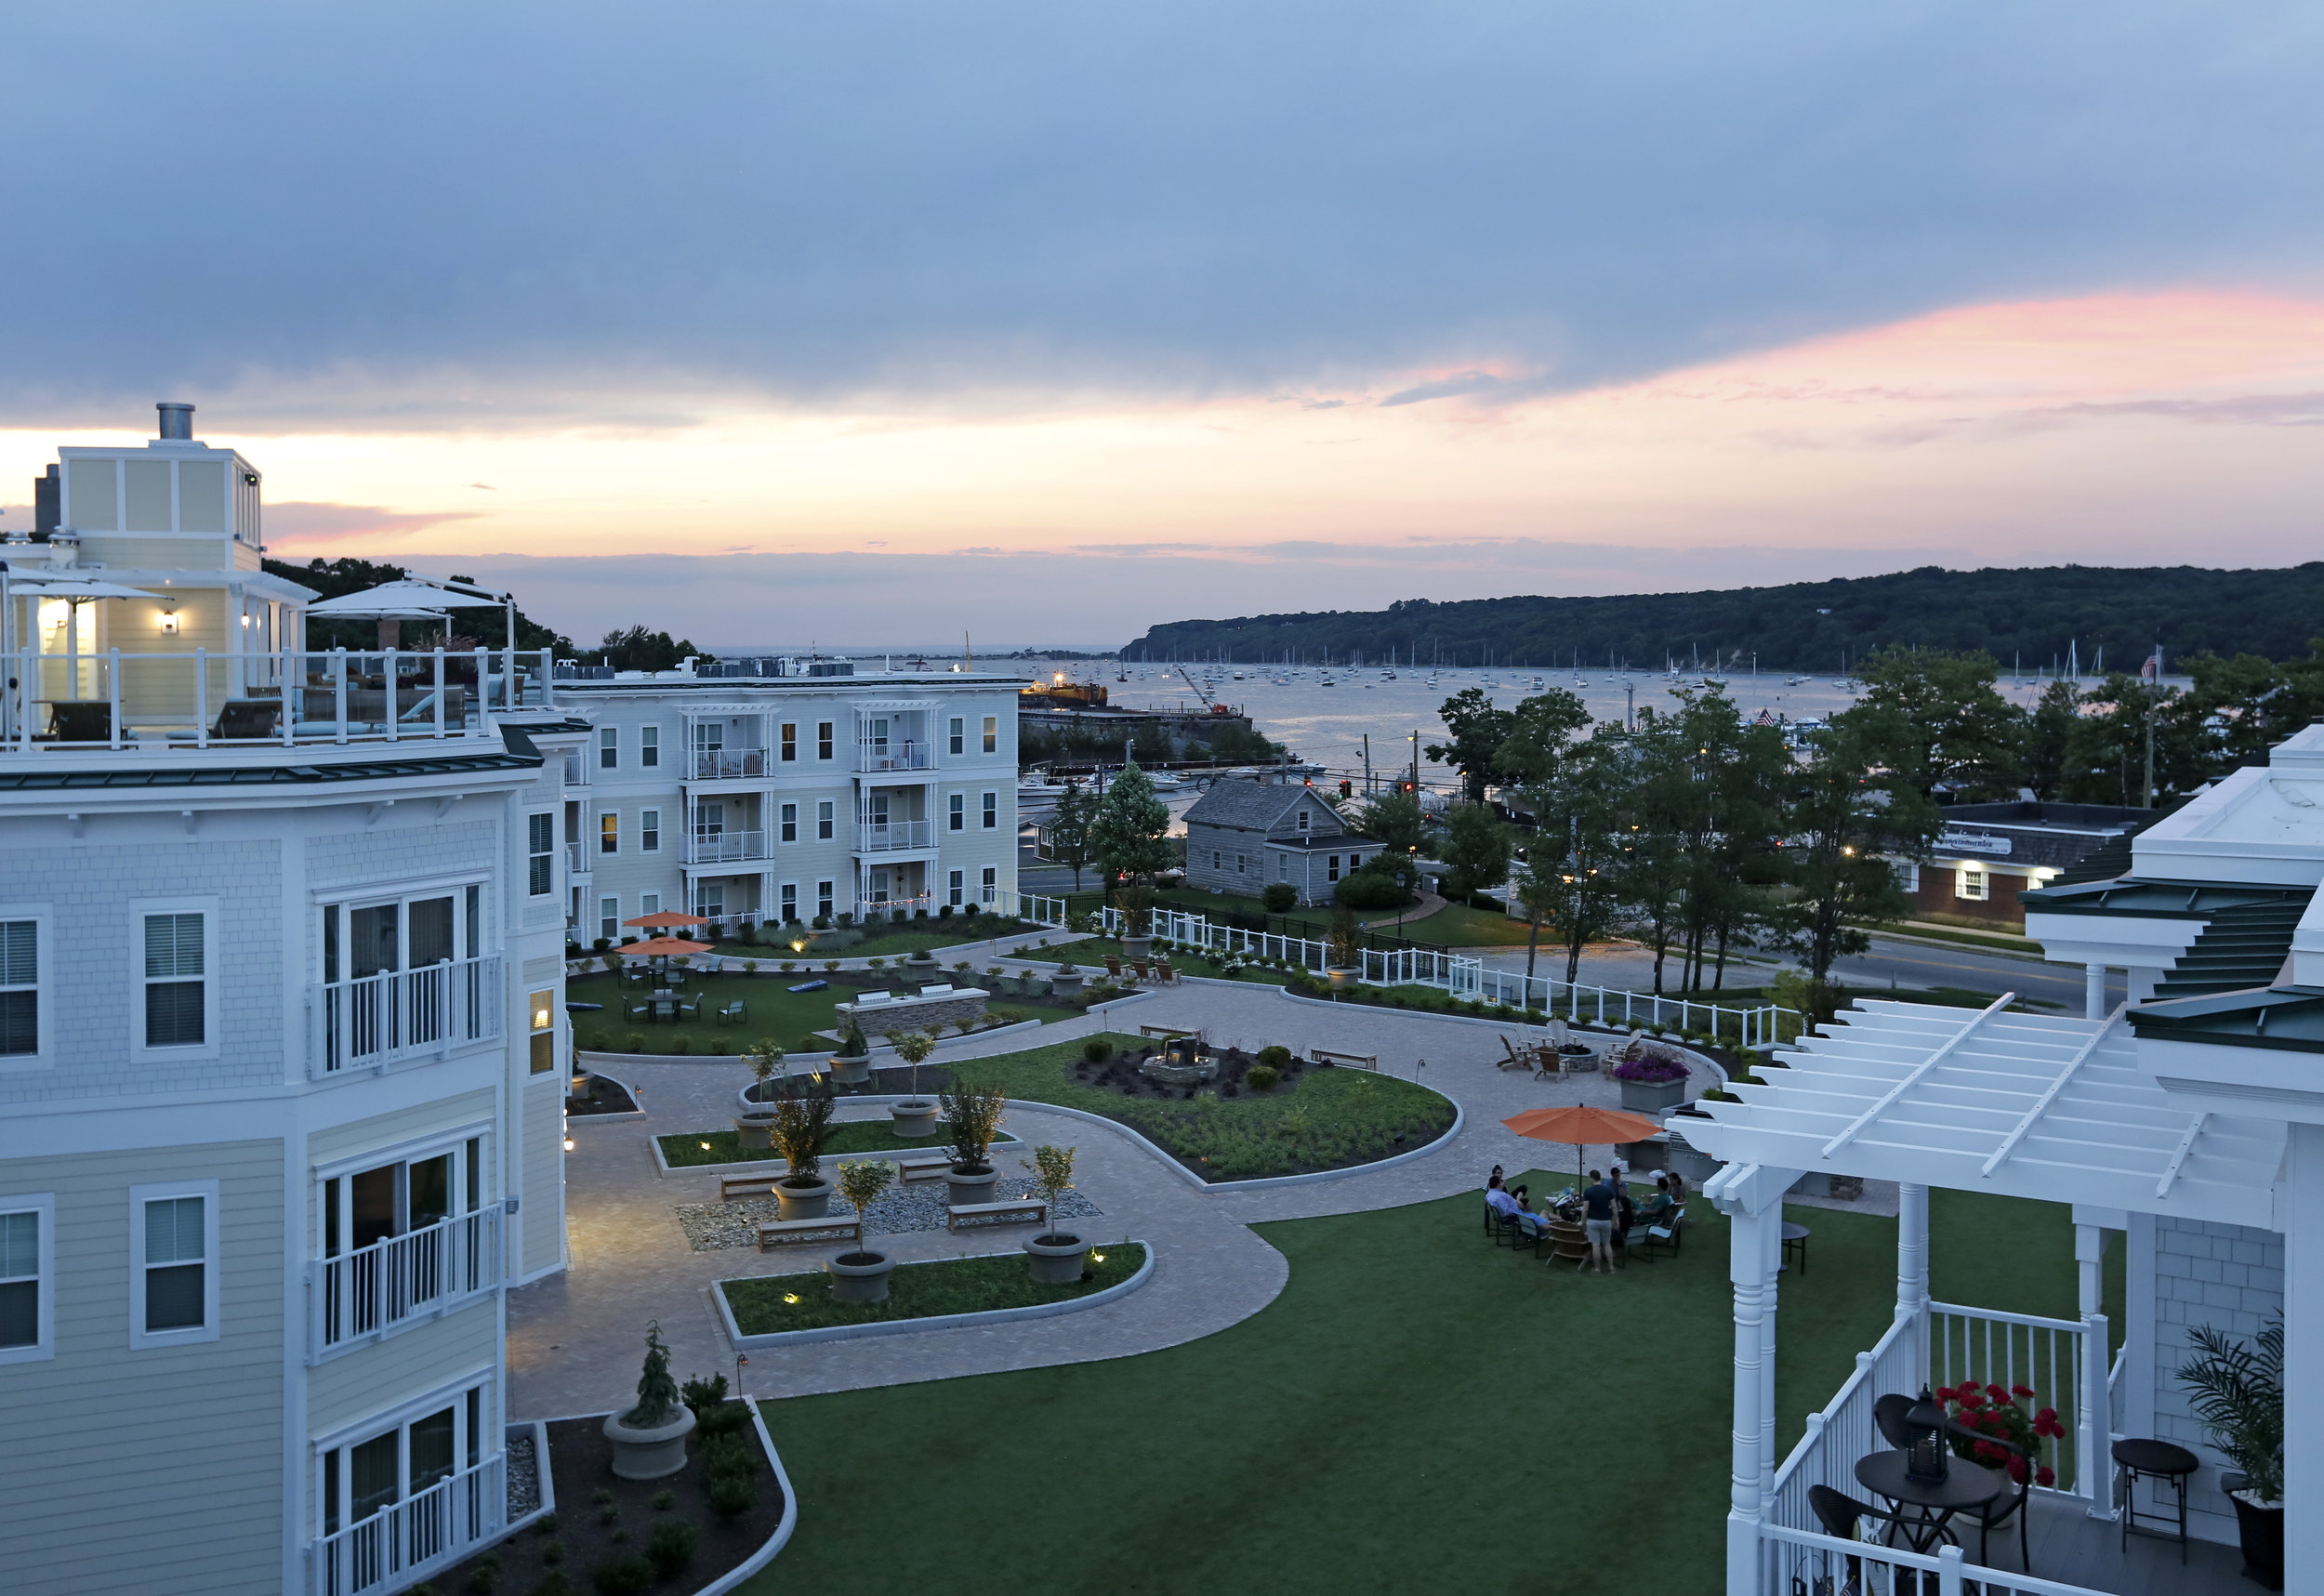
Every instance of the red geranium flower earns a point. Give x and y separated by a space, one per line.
2021 1391
1986 1449
2050 1413
2045 1475
1972 1399
1996 1393
2018 1470
1944 1393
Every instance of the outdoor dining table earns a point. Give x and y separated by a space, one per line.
1965 1488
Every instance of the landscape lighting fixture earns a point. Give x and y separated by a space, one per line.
791 1297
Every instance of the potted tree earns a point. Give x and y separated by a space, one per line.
801 1126
751 1127
650 1440
915 1116
1653 1082
862 1276
975 1113
2238 1392
1054 1258
1136 904
1067 980
1346 945
851 1064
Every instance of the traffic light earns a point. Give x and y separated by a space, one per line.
1347 789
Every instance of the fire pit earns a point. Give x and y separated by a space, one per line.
1180 1062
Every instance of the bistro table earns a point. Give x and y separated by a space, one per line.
1795 1235
1966 1487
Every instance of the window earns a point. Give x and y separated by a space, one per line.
992 733
992 812
19 989
1283 866
956 740
649 902
956 813
789 740
609 918
540 849
1214 860
175 992
824 820
173 1282
1972 884
1907 875
989 892
649 831
823 899
609 834
444 1436
1242 864
823 739
27 1273
790 823
1332 869
542 1008
1304 818
609 747
790 902
710 899
649 747
952 887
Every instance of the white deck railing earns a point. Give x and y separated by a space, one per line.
727 764
725 847
402 1544
1843 1431
1041 911
400 1014
2048 1357
872 758
1795 1561
871 837
402 1280
576 859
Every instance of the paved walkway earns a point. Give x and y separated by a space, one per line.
575 1339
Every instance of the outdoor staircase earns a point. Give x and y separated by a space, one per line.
2243 947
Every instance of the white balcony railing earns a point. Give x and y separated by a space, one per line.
402 1280
727 764
402 1014
404 1542
906 755
576 859
880 910
872 837
722 847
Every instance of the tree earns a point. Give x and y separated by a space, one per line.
1540 733
1395 820
638 649
2048 732
1128 832
1478 730
1069 830
1950 731
1475 850
1841 812
1235 742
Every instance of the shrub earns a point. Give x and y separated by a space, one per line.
1648 1067
944 911
1097 1049
553 1583
553 1553
718 1046
680 1042
1280 898
830 964
484 1579
671 1546
969 913
810 1043
789 964
624 1576
664 1500
1367 891
634 1042
699 1394
599 1042
732 1496
1262 1078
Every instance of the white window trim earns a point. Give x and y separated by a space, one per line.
141 1340
991 734
652 832
604 732
649 747
1961 884
43 1204
555 869
990 811
792 888
956 811
43 1055
792 841
212 978
827 814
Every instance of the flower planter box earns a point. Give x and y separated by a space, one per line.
1653 1097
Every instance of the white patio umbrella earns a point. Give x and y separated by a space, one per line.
39 582
419 598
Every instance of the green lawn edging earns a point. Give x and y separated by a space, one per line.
884 1319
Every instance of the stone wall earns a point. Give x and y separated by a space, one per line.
2230 1278
946 1010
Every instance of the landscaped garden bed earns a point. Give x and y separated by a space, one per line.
797 1020
769 1305
693 1149
605 1532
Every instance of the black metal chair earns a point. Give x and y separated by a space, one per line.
1837 1512
1996 1513
1670 1233
1504 1228
1888 1414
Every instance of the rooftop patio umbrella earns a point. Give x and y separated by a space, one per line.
661 919
415 600
1582 1127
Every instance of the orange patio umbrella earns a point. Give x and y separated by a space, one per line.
658 948
662 920
1582 1127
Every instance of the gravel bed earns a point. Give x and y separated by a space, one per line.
710 1227
525 1478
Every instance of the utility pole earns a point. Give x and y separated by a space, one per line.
2153 699
1416 764
1368 764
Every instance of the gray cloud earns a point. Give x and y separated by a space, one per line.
307 522
581 215
1453 387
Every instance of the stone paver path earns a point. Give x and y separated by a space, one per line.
575 1339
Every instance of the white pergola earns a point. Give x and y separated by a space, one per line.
1988 1101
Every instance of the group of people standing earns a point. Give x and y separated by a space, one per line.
1609 1214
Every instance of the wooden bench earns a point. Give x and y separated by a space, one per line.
911 1169
773 1231
733 1186
1027 1211
1168 1032
1350 1061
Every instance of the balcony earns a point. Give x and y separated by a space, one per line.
577 771
576 859
895 837
401 1281
725 847
406 1541
726 764
908 755
400 1015
878 910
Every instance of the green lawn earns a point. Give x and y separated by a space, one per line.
690 1149
787 1016
918 1292
1416 1410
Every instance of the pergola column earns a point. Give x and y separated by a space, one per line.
1912 1268
2303 1376
2094 1401
1771 1267
1754 1329
2095 992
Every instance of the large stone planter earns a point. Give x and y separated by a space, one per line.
860 1276
750 1131
1653 1097
1055 1260
1065 983
1137 948
971 1186
913 1118
922 964
852 1071
2262 1533
803 1199
1343 976
650 1453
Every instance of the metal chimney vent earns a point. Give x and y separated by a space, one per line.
177 420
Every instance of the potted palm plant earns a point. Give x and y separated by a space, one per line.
1054 1258
975 1114
851 1064
650 1439
2239 1392
862 1276
801 1126
915 1116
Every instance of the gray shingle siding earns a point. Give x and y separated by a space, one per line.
1249 828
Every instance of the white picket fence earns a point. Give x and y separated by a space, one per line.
1468 978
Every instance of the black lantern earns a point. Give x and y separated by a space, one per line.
1928 1457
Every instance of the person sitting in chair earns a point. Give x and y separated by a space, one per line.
1659 1206
1496 1198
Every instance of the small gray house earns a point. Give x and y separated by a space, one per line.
1242 835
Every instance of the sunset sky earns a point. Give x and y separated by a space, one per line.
1045 322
